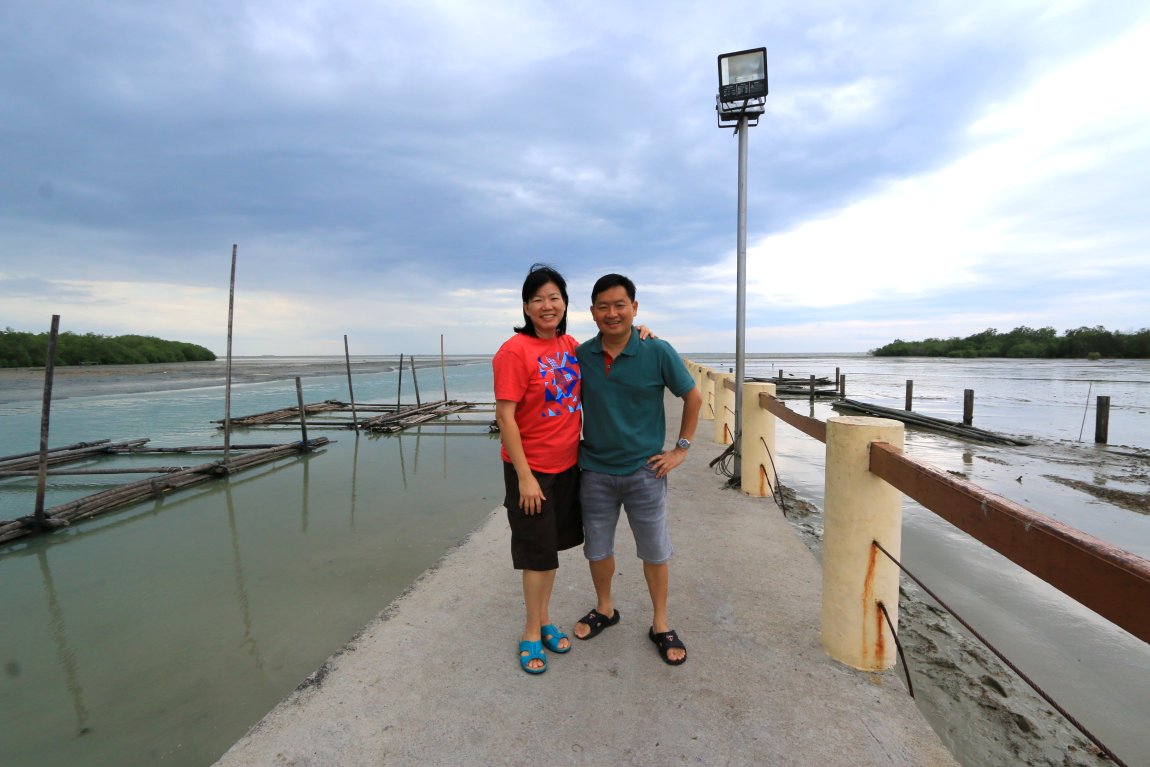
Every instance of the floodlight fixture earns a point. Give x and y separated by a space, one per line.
741 99
742 86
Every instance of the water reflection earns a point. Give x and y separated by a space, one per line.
172 634
65 658
241 589
354 474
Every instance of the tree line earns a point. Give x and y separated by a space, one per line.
21 350
1023 342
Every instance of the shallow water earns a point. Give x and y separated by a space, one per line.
162 633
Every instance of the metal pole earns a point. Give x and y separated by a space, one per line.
45 416
228 367
741 297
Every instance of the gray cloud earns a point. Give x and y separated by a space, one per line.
354 149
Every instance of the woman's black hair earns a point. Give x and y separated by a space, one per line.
538 276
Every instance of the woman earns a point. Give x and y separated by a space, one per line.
540 416
538 410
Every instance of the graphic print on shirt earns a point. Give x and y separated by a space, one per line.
560 375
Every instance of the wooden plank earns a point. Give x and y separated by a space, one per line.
812 427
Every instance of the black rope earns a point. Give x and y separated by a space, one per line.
898 646
780 499
724 461
1042 693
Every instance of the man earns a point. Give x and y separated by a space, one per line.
622 460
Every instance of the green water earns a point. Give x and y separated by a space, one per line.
161 633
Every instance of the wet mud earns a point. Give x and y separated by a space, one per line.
984 712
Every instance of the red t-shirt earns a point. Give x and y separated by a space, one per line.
541 375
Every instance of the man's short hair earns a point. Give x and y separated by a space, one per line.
608 281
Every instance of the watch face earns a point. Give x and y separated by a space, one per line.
685 444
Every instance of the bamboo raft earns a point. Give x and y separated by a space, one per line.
952 428
387 419
168 479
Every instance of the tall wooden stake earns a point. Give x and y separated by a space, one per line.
442 367
350 391
414 380
228 367
302 413
45 413
399 392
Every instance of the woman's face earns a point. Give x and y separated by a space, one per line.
546 309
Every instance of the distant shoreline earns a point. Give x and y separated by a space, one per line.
27 384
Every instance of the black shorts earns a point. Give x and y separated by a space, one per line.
537 539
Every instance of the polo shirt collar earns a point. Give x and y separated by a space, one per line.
629 350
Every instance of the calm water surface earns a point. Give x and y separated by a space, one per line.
161 633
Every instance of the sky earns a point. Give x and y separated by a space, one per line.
389 170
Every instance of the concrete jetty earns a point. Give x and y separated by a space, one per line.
435 679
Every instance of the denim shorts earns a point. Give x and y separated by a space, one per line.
643 496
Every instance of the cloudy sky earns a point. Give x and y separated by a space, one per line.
389 169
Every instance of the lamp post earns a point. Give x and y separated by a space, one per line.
740 101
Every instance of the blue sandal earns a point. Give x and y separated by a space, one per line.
534 650
552 636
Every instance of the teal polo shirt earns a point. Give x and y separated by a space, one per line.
624 423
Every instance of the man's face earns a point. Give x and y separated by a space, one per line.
614 313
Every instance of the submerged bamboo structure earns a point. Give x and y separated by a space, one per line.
169 479
390 418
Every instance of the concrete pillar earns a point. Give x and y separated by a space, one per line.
697 372
724 432
859 508
757 469
707 390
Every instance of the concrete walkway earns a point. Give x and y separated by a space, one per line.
435 680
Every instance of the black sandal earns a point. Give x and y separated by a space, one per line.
597 621
665 641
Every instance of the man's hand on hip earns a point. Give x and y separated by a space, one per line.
663 463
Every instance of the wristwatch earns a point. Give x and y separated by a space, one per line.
685 444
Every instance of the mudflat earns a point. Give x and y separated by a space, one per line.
24 384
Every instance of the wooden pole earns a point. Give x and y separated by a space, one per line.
842 386
1102 421
812 389
45 416
228 366
443 367
399 392
414 380
909 395
967 407
350 391
302 412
